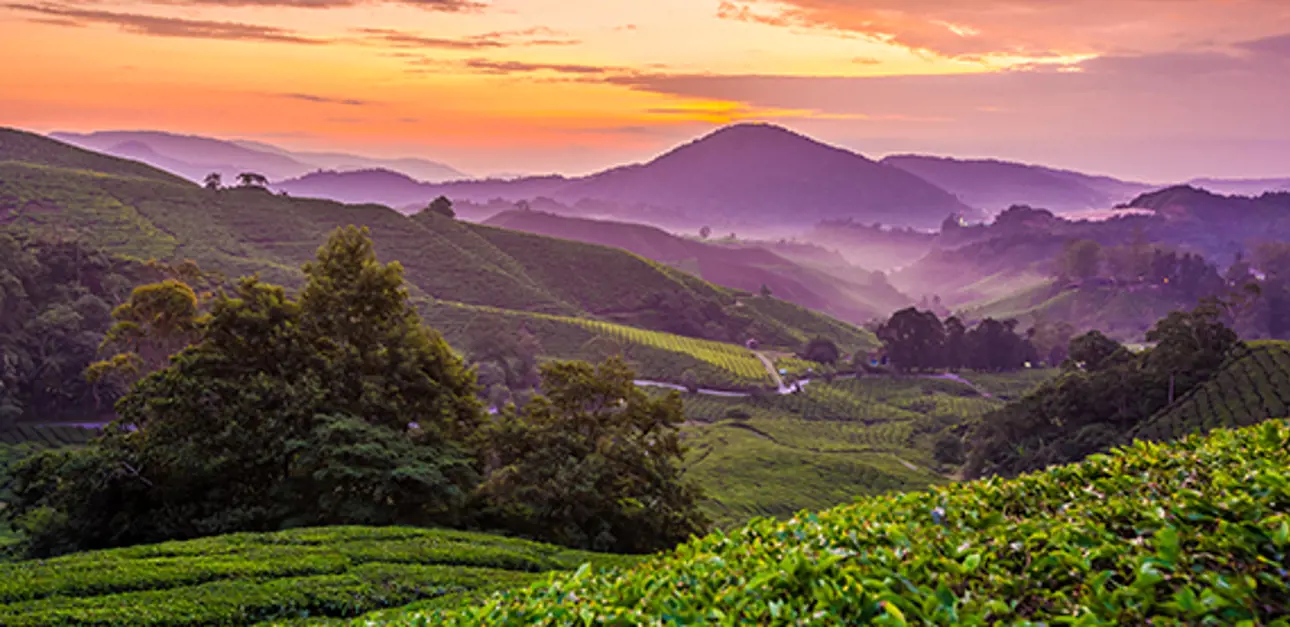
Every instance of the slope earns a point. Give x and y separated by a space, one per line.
21 146
244 579
843 291
766 174
994 185
1191 533
241 231
1122 312
1250 389
189 156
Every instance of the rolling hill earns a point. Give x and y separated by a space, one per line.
992 185
843 291
193 157
1242 187
129 209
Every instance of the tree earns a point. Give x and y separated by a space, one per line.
442 206
336 408
956 348
1191 346
251 179
1081 259
157 321
1095 352
821 350
765 291
914 339
594 463
705 232
213 181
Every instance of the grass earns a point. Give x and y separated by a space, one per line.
243 579
1193 533
1251 389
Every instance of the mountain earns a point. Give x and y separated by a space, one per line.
420 169
764 174
993 185
746 174
193 157
843 291
385 187
585 298
1242 187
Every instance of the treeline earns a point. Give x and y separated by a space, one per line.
915 340
1190 275
1266 276
1104 392
340 407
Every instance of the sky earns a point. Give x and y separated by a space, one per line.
1150 90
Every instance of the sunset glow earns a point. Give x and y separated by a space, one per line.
575 85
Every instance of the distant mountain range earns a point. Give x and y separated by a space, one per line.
992 185
193 157
743 174
1243 187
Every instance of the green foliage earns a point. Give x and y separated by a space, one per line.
1193 533
22 146
55 301
821 350
919 341
1252 388
594 463
284 413
1081 259
443 207
243 579
1089 409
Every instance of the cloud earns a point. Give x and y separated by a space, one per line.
163 26
973 29
446 6
488 66
326 100
538 36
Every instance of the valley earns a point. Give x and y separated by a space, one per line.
571 385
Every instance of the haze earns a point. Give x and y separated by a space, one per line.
1151 90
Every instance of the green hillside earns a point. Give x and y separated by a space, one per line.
1119 312
131 210
832 442
1193 533
1253 388
244 579
26 147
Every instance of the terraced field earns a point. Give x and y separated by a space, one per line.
1255 387
655 355
775 455
244 579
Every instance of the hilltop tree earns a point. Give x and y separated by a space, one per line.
213 181
765 291
251 179
593 463
442 206
705 232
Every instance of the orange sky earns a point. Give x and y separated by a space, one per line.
575 85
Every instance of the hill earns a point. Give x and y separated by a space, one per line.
1254 387
385 187
843 291
992 185
746 174
1138 536
193 156
246 579
1121 312
20 146
764 174
241 231
1242 187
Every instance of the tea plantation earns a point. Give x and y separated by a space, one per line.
1192 533
244 579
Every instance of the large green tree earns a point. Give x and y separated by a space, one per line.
336 408
594 463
